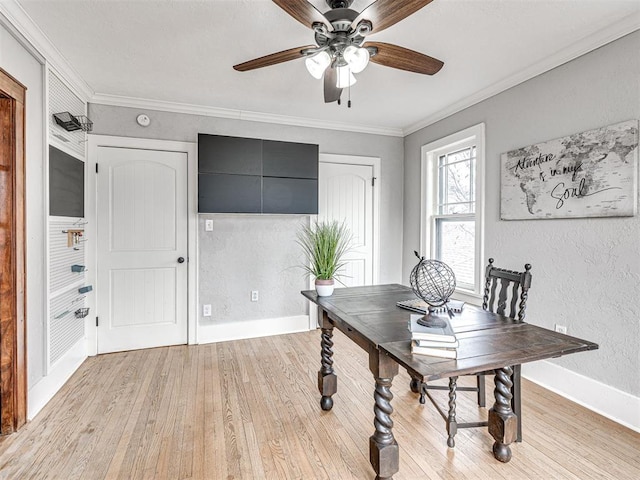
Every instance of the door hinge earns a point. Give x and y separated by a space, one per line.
96 168
96 321
373 181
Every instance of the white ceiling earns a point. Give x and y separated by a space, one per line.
183 51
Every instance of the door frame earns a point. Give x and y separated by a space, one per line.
191 150
375 163
356 160
13 349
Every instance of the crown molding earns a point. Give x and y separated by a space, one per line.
175 107
587 44
34 39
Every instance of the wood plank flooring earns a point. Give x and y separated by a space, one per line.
250 410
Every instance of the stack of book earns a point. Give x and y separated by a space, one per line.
433 341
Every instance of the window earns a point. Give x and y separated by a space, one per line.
452 206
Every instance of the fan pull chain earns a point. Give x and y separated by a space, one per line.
349 101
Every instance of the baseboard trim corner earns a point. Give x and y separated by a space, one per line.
263 327
43 391
619 406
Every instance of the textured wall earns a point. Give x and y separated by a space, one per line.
586 272
264 238
26 69
251 252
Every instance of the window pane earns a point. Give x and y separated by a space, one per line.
456 178
459 156
457 208
456 248
458 182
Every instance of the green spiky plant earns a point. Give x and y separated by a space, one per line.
324 244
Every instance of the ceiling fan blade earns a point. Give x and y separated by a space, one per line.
331 92
272 59
384 13
394 56
304 12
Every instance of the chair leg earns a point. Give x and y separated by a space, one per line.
452 425
481 391
414 385
516 400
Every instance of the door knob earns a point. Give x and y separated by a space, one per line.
180 259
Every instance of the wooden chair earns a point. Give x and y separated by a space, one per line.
505 293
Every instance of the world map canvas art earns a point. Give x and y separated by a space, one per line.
588 174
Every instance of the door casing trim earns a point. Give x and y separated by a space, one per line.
13 353
375 163
356 160
191 150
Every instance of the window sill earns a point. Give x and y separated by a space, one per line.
468 296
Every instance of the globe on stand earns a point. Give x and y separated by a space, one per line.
434 282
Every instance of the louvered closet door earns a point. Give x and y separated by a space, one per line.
142 234
346 194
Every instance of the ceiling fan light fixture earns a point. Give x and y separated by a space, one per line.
317 64
345 77
356 57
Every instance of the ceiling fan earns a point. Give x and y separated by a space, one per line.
341 50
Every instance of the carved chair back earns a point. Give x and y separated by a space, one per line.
506 291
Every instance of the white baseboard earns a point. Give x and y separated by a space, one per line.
48 386
619 406
252 328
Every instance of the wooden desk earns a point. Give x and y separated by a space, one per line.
488 342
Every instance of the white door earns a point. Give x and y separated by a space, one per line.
345 193
141 248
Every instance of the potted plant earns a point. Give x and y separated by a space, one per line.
324 245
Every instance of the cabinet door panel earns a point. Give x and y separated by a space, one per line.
233 155
286 159
229 193
290 195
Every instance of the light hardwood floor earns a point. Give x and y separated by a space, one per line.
250 410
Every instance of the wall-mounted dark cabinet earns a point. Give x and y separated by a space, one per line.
249 175
231 155
226 193
290 160
289 195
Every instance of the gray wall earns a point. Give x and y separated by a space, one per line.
19 63
255 252
586 272
250 252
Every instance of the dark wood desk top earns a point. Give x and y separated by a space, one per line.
369 315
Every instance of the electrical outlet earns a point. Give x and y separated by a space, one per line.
561 329
208 225
206 310
254 295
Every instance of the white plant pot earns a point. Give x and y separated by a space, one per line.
324 288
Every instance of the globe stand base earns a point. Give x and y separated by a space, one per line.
431 320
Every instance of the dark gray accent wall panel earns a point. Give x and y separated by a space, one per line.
219 154
66 184
249 175
289 195
286 159
220 193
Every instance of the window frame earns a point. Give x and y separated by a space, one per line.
429 200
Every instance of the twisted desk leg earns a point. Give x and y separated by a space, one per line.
503 423
327 379
452 425
383 448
